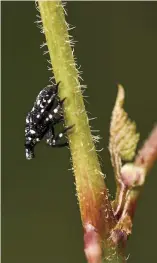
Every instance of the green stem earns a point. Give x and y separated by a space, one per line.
91 190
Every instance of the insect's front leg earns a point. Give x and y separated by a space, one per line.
56 140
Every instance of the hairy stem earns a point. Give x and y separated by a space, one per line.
96 213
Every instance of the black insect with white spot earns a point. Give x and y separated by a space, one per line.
40 121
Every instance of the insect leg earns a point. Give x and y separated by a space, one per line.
56 140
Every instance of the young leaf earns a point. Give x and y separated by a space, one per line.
123 136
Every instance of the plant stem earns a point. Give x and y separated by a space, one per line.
92 193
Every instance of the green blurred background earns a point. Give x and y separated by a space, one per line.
117 43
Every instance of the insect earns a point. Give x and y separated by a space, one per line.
40 121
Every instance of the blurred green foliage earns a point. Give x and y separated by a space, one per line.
116 44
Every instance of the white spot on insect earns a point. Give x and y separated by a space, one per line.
47 119
44 100
54 142
60 135
37 139
29 138
27 121
55 110
38 116
41 106
32 131
42 110
49 101
38 102
50 116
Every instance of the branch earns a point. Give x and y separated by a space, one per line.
96 212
